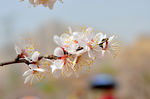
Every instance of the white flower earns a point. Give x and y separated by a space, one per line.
63 65
46 3
106 44
79 49
85 39
82 63
56 67
63 41
58 52
31 73
35 56
99 37
24 48
34 68
58 64
102 41
74 40
67 42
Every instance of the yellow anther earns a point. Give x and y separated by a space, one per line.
30 48
30 51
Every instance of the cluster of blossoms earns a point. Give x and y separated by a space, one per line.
45 3
75 51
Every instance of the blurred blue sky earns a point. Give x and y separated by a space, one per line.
126 18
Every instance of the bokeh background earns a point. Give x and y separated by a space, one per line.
129 20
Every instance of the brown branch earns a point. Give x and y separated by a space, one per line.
22 60
8 63
15 61
51 57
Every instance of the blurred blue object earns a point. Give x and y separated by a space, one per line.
103 81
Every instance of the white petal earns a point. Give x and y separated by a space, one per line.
59 63
100 34
87 48
74 62
57 73
65 38
98 38
57 40
75 33
53 68
104 36
89 33
111 38
83 43
18 50
70 30
33 66
58 52
39 69
89 29
35 56
104 45
103 52
28 78
27 72
91 54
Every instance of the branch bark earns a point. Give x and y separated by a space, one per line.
22 60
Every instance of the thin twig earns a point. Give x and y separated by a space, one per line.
22 60
25 61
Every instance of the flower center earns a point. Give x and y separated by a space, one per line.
104 44
23 53
34 72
